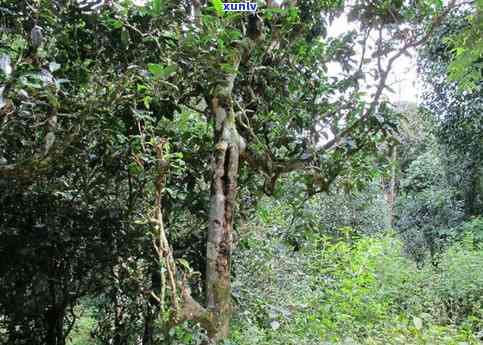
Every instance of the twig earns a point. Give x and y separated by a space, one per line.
165 256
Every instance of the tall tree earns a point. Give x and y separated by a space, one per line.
457 104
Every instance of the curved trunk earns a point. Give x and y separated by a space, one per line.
223 193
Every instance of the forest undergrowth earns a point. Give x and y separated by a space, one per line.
346 290
362 291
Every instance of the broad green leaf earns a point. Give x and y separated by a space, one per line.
218 5
114 23
160 71
168 70
234 34
117 24
155 69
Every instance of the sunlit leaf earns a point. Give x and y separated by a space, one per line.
54 66
185 264
116 24
155 69
161 72
218 5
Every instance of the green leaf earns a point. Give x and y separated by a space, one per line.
459 50
218 5
228 68
135 168
234 34
155 69
54 66
125 37
157 7
117 24
168 70
114 23
160 71
275 10
141 87
147 101
185 264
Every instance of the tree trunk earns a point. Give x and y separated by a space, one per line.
223 192
390 189
55 331
472 190
149 319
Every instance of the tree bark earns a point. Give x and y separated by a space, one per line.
215 317
472 190
391 197
149 319
222 202
389 189
55 330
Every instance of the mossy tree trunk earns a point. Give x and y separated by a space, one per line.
223 197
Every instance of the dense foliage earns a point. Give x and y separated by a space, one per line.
359 292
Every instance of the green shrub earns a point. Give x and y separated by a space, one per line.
474 228
357 291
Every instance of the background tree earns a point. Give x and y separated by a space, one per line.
458 123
